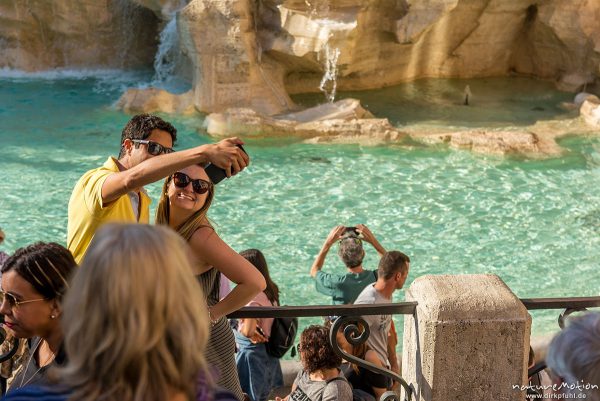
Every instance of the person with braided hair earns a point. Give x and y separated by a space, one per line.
34 280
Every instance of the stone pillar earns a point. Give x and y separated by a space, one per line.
468 339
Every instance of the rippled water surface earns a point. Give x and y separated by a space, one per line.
536 224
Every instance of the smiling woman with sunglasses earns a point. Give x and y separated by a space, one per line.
34 280
186 197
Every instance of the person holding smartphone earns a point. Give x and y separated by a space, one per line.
186 198
344 288
115 191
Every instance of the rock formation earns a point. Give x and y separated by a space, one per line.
230 69
39 35
590 112
251 54
154 100
347 122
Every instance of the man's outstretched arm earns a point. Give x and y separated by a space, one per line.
370 238
224 154
333 236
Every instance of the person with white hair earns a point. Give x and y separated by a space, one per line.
574 358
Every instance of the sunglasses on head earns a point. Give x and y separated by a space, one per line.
200 186
154 148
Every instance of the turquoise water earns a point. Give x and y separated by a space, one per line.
493 102
534 223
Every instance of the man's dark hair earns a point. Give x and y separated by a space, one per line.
391 263
141 126
47 266
316 351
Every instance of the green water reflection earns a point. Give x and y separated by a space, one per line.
534 223
494 102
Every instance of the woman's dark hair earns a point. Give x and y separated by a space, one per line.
257 258
316 351
47 266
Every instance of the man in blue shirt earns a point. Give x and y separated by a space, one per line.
344 288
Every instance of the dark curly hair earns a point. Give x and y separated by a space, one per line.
316 351
141 126
47 266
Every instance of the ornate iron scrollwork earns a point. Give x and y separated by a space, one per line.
566 313
561 323
355 337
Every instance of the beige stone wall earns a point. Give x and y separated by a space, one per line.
230 70
396 41
468 339
253 53
41 34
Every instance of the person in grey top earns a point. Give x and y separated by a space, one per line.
320 378
392 273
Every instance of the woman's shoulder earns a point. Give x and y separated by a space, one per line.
371 356
37 392
202 234
260 300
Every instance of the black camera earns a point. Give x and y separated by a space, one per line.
350 232
217 174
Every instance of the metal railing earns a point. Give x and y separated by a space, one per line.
348 318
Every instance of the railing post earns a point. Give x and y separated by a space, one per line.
468 339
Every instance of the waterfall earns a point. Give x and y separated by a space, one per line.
328 23
330 74
167 55
125 16
170 64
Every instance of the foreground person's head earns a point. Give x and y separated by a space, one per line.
34 280
574 357
316 352
135 319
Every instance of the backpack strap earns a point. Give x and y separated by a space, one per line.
334 379
328 382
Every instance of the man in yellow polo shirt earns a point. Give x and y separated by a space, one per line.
115 193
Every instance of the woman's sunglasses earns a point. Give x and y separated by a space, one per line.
12 301
182 180
154 148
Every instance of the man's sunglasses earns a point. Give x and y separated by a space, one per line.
200 186
154 148
12 301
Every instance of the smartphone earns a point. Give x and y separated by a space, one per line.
217 174
260 331
349 231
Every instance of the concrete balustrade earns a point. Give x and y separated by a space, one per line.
468 339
